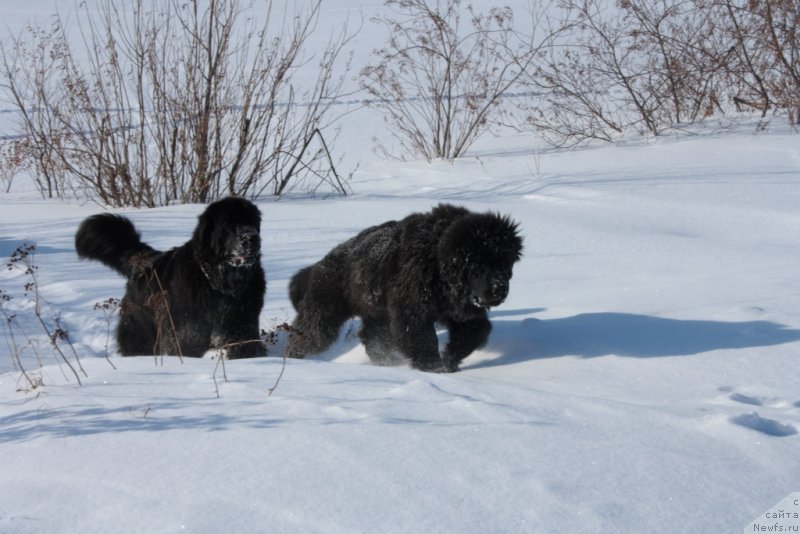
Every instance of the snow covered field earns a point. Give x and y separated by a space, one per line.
641 377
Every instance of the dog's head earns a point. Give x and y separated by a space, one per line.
228 235
477 253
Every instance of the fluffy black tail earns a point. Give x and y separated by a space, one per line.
113 240
298 286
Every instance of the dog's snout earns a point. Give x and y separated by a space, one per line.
489 290
498 286
244 247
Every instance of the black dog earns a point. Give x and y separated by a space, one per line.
207 293
447 266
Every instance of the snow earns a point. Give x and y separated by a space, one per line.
641 376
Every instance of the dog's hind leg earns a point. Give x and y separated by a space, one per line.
377 339
314 330
136 332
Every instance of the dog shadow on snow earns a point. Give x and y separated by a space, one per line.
590 335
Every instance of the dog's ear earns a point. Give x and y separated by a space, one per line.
201 231
205 236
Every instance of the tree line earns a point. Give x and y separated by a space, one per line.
190 101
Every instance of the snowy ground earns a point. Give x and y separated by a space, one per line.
641 377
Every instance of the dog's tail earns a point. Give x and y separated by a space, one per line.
299 285
114 241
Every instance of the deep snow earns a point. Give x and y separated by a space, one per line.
641 377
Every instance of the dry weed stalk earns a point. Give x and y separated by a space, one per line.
22 259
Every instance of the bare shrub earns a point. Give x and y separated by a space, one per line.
764 70
684 54
781 23
173 102
746 68
440 78
652 65
646 65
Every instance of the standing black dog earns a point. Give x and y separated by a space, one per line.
447 266
207 293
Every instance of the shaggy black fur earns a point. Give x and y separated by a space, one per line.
207 293
447 266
